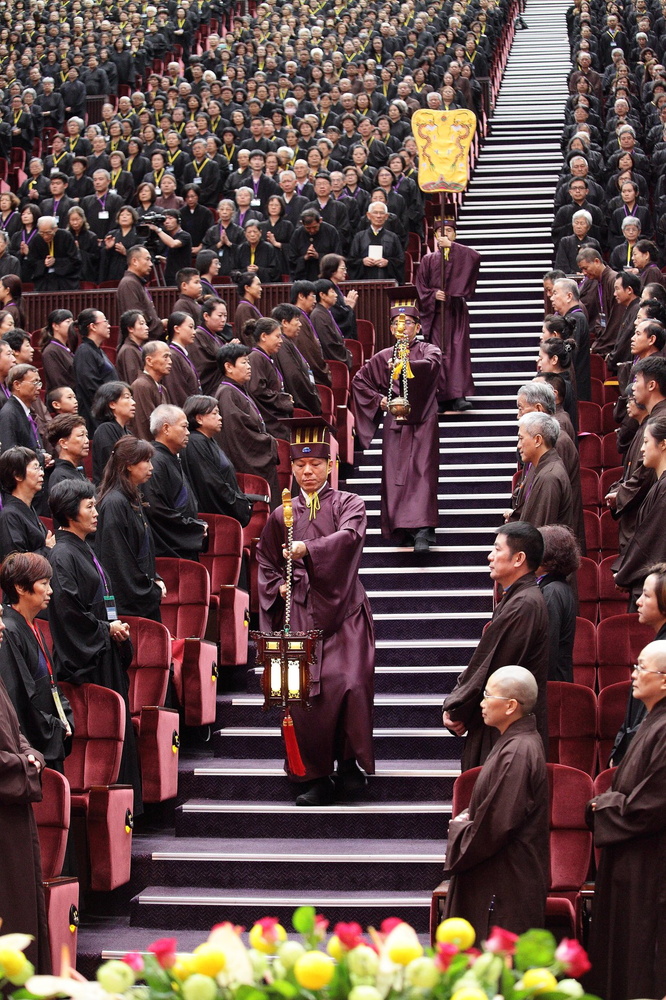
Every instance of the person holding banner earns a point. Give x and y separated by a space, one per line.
444 281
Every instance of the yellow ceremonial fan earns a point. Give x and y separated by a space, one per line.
443 139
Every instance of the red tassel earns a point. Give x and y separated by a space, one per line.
294 759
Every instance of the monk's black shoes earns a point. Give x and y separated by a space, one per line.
320 793
350 781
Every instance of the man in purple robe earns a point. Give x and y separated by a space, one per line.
410 448
327 594
461 270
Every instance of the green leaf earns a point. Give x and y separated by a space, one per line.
245 992
534 950
303 920
508 984
284 989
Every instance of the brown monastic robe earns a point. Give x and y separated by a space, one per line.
298 377
129 361
266 389
636 485
244 311
648 544
183 380
499 856
148 394
545 496
203 354
327 595
629 916
244 438
603 338
22 907
517 634
330 335
310 348
58 365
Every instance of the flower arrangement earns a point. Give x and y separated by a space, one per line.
388 964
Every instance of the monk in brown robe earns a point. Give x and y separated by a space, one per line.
545 497
244 438
461 270
266 385
517 633
498 848
629 822
327 594
299 380
410 448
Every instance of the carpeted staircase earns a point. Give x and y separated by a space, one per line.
241 849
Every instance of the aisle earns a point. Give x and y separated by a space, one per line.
242 849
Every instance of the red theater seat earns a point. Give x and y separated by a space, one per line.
589 485
260 511
610 539
366 336
61 894
102 808
611 600
611 709
589 449
157 728
572 726
355 348
585 653
610 456
589 417
229 604
344 418
619 641
587 576
592 534
185 611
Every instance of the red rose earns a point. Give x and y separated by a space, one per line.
134 960
321 926
164 950
388 924
573 957
501 942
349 935
445 953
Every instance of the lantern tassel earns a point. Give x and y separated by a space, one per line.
294 759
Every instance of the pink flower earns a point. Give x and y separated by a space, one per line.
388 924
501 942
573 957
349 935
164 950
134 960
268 925
445 953
473 954
320 927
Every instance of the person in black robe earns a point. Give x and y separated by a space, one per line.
91 645
498 848
53 263
124 541
517 633
561 559
629 823
207 467
366 267
22 908
21 479
112 410
91 365
26 666
68 436
172 502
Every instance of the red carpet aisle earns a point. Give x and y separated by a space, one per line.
241 849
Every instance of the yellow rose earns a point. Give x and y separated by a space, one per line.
267 936
12 961
208 960
314 970
469 993
456 931
334 947
539 981
402 945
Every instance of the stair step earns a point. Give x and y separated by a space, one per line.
389 744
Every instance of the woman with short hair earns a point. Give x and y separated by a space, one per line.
561 558
21 479
112 409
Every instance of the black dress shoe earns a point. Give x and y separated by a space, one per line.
422 540
320 793
350 781
461 404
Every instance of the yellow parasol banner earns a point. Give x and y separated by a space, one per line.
443 139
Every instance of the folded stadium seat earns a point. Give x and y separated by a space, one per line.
589 450
101 810
327 403
157 728
597 392
344 418
602 784
608 422
355 348
607 479
61 893
414 246
589 417
585 654
589 485
598 367
570 845
230 606
572 726
587 577
184 611
611 600
611 709
610 539
284 474
298 412
611 392
252 531
610 456
619 641
367 337
592 534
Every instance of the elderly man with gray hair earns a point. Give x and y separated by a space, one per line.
544 493
172 510
53 262
102 207
565 298
498 847
570 246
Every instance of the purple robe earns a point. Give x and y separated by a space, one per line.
462 271
327 594
410 450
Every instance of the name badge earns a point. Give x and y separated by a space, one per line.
103 215
255 203
54 170
113 191
158 191
110 605
197 180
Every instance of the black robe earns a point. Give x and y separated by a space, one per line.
103 443
24 670
83 649
62 470
392 251
21 895
627 934
517 634
92 369
124 545
65 272
498 856
561 603
20 528
214 480
172 508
